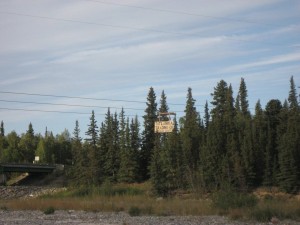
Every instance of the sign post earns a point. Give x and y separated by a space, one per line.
164 126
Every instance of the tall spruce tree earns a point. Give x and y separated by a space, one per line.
2 133
244 125
206 116
128 165
273 109
2 140
93 171
148 135
190 134
80 161
260 137
243 94
92 132
165 170
216 137
289 143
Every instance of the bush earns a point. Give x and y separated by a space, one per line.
263 214
233 200
134 211
49 210
3 208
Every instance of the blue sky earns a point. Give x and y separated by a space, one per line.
117 50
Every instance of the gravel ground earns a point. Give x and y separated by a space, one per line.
15 192
90 218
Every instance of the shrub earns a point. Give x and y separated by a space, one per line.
134 211
264 214
4 208
49 210
233 200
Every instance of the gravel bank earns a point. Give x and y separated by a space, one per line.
14 192
90 218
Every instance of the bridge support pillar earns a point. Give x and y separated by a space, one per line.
3 178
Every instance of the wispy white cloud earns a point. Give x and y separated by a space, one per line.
286 58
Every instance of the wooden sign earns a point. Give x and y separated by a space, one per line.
164 126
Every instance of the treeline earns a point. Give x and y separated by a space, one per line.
227 147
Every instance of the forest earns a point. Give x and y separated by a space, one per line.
227 147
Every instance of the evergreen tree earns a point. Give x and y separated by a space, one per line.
3 142
148 135
2 133
93 174
244 125
259 145
293 95
190 133
243 94
135 141
92 131
80 161
28 145
128 163
176 165
158 170
76 133
230 163
216 149
273 109
112 162
206 116
109 144
288 133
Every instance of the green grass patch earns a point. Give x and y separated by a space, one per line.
233 200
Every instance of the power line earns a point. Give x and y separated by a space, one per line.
83 98
61 104
183 13
52 111
70 97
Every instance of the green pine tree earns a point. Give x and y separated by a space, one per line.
92 132
190 133
28 144
273 109
260 142
148 135
289 143
93 174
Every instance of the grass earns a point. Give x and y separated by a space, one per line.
136 199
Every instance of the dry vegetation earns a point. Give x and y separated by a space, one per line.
137 200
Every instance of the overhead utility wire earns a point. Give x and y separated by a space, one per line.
183 13
61 104
84 98
73 105
52 111
133 28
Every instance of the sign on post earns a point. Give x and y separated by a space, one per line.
164 126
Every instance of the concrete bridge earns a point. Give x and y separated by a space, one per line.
24 168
